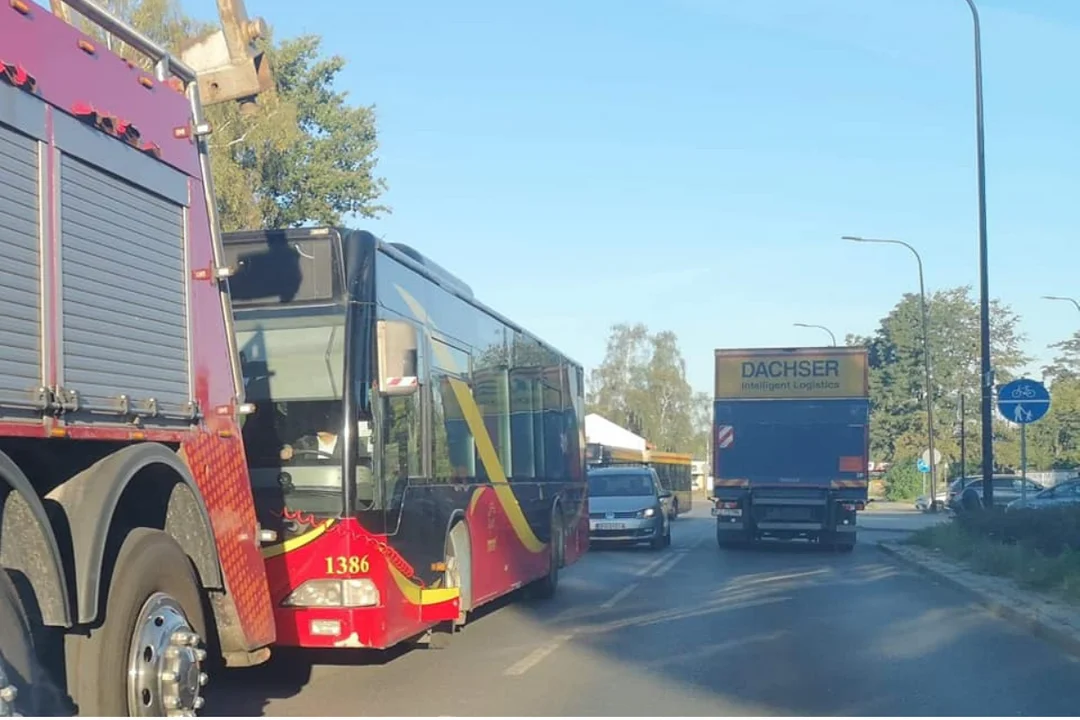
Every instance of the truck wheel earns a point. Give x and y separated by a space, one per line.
845 545
728 540
19 669
145 658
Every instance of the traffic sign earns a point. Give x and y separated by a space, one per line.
926 457
1023 401
922 466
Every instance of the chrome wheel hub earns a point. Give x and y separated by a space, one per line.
8 693
164 664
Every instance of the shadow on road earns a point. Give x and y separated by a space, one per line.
773 628
245 692
795 629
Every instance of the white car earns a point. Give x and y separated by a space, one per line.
941 499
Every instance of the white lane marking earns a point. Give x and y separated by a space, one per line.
778 578
526 663
652 566
662 570
619 596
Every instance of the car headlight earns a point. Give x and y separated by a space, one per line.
353 592
646 513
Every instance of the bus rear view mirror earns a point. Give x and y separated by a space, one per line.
398 366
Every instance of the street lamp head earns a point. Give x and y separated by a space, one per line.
1053 297
853 238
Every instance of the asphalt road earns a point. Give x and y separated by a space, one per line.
693 630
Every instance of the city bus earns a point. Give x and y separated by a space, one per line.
673 469
675 473
413 453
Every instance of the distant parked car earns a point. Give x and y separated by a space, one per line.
1064 493
941 500
1007 488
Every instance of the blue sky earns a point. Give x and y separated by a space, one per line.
692 164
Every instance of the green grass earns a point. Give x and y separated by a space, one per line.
1034 548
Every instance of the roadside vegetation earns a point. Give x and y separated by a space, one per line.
1039 549
903 482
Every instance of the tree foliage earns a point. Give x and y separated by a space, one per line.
898 382
641 385
305 156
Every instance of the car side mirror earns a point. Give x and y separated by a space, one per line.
665 494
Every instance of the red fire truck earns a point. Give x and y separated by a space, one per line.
128 538
135 543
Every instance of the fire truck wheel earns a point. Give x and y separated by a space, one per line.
19 671
145 659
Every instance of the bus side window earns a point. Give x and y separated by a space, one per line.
401 449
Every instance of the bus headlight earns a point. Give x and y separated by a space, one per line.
352 592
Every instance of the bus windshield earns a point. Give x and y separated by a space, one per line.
293 368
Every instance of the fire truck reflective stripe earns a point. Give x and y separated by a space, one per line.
485 448
297 542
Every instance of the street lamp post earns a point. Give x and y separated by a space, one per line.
819 327
1066 299
926 359
984 271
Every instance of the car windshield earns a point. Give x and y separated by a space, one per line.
620 485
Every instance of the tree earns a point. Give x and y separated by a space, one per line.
309 156
304 156
897 373
1066 363
1054 441
641 385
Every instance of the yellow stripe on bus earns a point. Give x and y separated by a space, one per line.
297 542
485 448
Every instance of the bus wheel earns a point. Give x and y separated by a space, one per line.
459 567
19 670
546 586
145 658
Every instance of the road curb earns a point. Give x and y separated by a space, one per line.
1066 638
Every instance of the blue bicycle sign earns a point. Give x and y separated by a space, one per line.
1023 401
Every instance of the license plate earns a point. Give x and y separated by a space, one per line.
791 514
725 512
610 526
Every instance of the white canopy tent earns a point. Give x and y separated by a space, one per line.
599 429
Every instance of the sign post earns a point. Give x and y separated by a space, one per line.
1023 401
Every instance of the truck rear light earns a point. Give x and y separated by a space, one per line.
851 506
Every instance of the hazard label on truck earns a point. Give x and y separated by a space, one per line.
725 436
